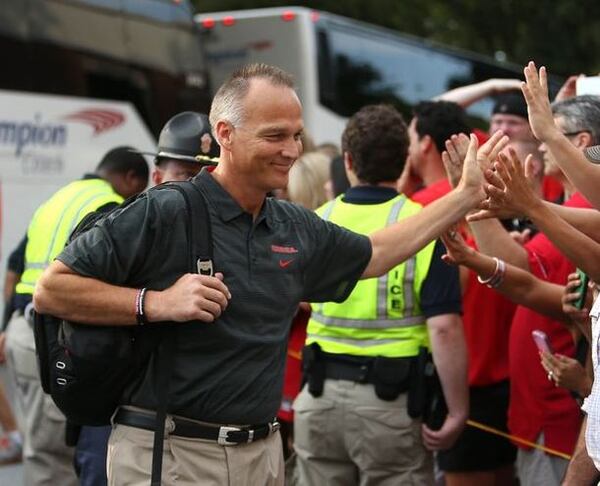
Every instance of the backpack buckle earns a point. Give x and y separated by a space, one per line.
205 266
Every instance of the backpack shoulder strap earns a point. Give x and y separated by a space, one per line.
200 242
200 251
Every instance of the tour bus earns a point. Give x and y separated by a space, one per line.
341 64
80 77
147 52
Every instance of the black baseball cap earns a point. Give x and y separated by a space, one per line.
511 104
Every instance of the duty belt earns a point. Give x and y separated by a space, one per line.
222 434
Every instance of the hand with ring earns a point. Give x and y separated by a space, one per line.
567 373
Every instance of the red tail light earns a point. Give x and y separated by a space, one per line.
288 16
208 23
228 21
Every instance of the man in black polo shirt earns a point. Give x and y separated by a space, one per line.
269 255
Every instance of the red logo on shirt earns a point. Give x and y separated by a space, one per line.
285 263
283 249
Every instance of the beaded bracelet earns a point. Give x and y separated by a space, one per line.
140 316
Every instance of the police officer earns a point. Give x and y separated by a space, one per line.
352 422
120 174
185 145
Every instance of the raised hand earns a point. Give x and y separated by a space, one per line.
509 189
454 156
479 159
568 89
535 90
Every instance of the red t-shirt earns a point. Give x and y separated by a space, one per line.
487 319
432 192
487 315
537 405
552 189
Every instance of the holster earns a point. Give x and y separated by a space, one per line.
425 395
390 377
313 369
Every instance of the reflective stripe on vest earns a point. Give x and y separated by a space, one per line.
381 316
54 221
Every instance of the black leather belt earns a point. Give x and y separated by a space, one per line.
223 435
358 372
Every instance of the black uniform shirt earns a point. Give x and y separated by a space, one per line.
229 371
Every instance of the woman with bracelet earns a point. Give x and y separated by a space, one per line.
525 289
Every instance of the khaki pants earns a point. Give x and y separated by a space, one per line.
348 437
193 462
46 458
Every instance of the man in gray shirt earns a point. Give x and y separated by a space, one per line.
269 255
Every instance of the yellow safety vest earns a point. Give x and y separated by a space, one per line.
382 316
53 222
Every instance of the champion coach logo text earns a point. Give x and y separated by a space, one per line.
101 120
283 249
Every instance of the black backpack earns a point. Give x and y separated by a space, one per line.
86 368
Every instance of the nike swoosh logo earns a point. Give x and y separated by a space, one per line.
285 263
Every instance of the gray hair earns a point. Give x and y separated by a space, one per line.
580 114
228 101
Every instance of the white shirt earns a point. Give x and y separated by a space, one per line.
591 405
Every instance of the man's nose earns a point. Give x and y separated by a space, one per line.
292 148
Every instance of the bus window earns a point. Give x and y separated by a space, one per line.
358 66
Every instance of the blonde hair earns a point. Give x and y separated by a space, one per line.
307 180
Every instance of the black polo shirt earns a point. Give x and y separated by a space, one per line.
229 371
440 292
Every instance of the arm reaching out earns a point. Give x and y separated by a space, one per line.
584 176
467 95
399 241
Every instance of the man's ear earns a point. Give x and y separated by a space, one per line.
583 140
224 133
348 162
426 143
156 176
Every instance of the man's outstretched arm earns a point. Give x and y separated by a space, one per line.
398 242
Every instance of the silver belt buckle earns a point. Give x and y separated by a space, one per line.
222 438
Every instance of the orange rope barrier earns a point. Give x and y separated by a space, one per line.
514 438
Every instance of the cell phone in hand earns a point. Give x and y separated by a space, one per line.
541 341
582 289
